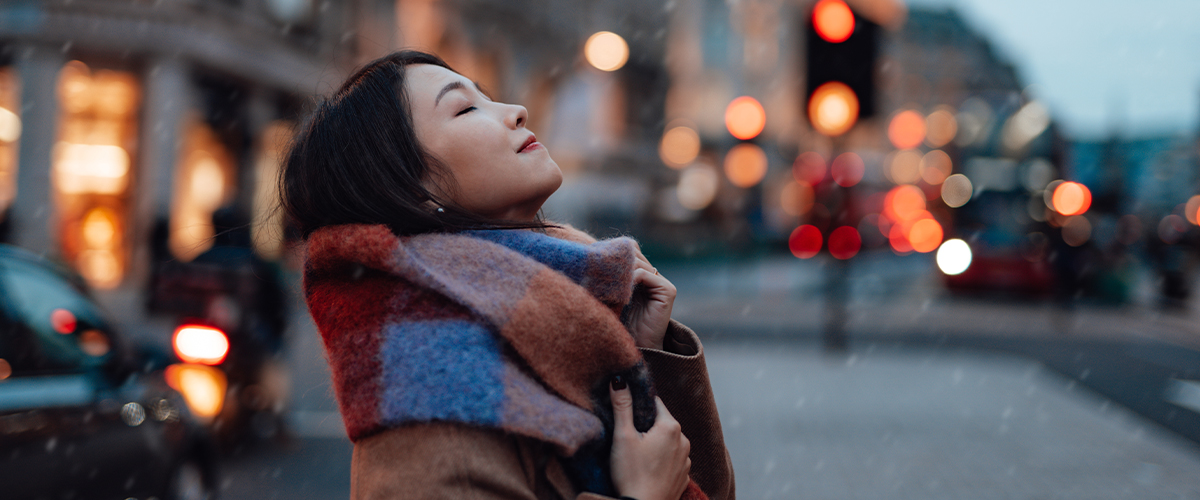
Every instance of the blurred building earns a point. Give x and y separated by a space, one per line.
125 124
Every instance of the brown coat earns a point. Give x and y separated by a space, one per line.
454 461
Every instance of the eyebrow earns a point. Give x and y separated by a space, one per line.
455 85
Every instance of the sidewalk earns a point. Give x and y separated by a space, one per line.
902 423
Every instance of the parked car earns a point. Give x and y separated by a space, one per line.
84 414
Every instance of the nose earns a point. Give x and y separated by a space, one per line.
517 116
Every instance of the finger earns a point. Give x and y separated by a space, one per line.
663 417
637 252
622 403
654 282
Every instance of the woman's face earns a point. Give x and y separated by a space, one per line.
500 170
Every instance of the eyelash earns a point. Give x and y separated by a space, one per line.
465 111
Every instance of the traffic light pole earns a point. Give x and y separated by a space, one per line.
837 287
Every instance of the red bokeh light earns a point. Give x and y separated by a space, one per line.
844 242
847 169
809 168
62 321
805 241
833 20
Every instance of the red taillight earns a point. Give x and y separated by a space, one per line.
200 344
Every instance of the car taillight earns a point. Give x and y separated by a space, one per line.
200 344
203 388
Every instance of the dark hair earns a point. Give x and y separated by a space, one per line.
357 160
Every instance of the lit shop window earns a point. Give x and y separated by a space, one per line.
204 181
93 159
10 131
267 224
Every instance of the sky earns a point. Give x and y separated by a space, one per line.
1130 67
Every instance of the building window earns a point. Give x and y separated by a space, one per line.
10 131
267 222
205 180
92 160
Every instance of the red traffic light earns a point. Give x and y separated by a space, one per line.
833 20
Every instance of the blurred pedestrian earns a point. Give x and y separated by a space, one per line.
477 350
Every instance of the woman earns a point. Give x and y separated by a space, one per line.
477 351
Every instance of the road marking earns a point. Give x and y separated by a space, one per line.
1185 393
317 424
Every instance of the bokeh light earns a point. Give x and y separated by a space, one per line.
805 241
847 170
1038 173
1025 125
833 109
809 168
745 165
200 344
833 20
745 118
954 257
1190 209
203 387
907 129
10 126
1171 229
796 198
697 186
679 146
1076 230
899 240
606 51
844 242
940 127
925 235
905 166
905 202
62 321
1071 198
957 190
936 167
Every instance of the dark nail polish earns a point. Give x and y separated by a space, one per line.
618 383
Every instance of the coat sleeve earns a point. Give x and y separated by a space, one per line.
681 378
438 461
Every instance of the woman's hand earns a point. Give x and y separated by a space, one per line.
649 325
647 466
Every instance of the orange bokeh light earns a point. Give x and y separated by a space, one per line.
833 20
809 168
833 109
847 169
1071 198
805 241
907 129
745 118
898 239
925 235
745 165
844 242
904 203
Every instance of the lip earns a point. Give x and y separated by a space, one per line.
530 144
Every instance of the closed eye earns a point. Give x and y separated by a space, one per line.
465 111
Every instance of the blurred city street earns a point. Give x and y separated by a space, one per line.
935 249
941 405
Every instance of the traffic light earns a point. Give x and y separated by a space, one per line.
841 51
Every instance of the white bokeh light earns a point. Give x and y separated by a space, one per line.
954 257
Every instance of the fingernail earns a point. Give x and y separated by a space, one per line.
618 383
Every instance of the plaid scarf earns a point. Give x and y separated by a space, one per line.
507 329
